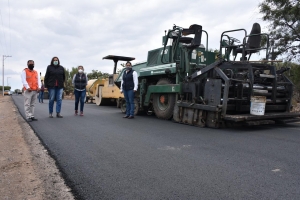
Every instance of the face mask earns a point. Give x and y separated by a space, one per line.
30 66
80 70
128 67
55 62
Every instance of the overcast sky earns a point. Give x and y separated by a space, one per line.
83 32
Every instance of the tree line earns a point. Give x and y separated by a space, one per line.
283 18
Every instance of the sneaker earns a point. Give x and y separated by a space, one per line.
81 113
126 116
29 120
50 115
130 117
34 119
58 115
76 112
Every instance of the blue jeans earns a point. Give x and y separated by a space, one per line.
129 97
79 95
41 96
55 94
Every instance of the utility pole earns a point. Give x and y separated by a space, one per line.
7 81
4 57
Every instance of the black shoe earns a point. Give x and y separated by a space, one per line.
29 120
34 119
126 116
50 115
130 117
58 115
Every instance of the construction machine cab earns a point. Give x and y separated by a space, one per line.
192 42
116 59
180 42
253 44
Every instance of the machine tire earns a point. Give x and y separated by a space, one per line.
123 105
164 110
98 96
136 106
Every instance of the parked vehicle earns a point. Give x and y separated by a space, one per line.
7 92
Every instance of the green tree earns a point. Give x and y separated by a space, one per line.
5 88
293 74
95 74
119 70
69 88
284 18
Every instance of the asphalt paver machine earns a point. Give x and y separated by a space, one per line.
184 81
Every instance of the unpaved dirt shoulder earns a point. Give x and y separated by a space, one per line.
26 169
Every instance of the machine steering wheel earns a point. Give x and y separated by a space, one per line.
234 40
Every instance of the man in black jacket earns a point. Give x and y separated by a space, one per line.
54 81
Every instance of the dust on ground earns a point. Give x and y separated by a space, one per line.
26 169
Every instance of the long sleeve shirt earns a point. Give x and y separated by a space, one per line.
135 81
24 82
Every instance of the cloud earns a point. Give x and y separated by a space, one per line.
83 32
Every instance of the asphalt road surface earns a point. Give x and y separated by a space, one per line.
103 156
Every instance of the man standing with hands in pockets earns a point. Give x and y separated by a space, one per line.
32 84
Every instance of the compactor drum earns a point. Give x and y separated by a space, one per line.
184 81
104 91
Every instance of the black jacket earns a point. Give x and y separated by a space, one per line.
80 81
54 73
128 83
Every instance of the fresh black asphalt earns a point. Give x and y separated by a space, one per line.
103 156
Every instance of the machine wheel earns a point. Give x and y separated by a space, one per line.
163 104
123 105
136 106
118 103
98 96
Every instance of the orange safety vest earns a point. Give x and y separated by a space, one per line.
32 79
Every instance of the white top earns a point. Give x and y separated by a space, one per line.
135 81
73 81
24 82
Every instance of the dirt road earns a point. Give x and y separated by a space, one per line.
26 169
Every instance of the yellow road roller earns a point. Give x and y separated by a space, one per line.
104 91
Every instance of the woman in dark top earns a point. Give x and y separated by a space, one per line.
129 85
54 81
80 81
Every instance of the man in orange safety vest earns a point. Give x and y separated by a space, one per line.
31 85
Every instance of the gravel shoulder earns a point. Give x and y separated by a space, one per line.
26 169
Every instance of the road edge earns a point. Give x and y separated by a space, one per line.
45 166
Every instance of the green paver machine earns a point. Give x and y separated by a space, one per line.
184 81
